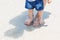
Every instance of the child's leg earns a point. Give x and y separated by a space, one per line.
39 16
39 7
30 14
30 7
30 17
38 19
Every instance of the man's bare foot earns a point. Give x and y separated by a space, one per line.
28 22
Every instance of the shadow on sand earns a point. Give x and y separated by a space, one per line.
18 22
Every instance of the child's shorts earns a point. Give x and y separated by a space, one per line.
38 5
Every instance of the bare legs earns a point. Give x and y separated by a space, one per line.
38 18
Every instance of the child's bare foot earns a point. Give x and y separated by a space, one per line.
36 23
28 22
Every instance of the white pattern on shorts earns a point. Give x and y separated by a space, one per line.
39 5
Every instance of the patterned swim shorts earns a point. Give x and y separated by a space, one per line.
38 5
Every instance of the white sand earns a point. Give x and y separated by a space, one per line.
13 14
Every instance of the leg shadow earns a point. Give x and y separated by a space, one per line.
18 22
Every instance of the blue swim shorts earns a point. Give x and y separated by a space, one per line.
38 5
